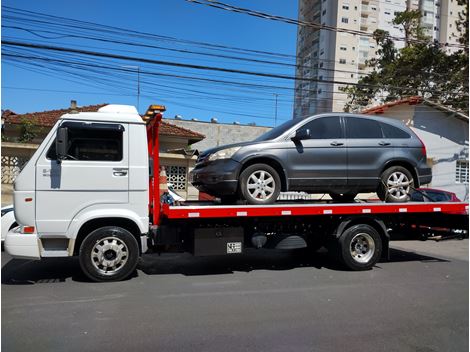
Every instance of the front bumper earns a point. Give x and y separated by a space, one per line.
218 178
20 245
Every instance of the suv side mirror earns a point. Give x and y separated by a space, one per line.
303 133
61 143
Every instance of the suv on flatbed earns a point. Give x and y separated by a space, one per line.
336 153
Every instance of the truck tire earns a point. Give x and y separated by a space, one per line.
360 247
109 253
396 185
260 184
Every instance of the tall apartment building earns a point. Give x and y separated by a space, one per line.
327 60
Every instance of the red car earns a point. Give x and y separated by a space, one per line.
433 195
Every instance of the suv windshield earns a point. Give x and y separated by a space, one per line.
277 131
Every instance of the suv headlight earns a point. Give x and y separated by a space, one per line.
223 154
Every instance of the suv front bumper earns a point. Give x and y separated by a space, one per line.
218 178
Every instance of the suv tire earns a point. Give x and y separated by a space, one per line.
260 184
396 185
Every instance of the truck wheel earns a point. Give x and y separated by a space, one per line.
260 184
360 247
109 253
396 185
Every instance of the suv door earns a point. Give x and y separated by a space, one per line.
367 150
319 162
95 172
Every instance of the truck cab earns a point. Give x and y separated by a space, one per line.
89 172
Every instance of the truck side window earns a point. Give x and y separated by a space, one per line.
92 144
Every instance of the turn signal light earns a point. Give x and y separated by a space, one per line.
28 229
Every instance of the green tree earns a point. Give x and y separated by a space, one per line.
421 68
29 130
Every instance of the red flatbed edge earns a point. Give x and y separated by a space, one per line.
305 209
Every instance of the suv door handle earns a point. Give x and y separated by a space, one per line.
120 172
336 144
384 143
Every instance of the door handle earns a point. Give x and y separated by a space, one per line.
120 172
336 144
384 143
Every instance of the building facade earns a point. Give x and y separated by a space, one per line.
217 134
328 60
444 132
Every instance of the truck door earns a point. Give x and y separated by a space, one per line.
94 173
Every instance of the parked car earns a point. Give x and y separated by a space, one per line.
336 153
8 220
433 195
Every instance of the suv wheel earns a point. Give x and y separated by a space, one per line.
260 184
396 185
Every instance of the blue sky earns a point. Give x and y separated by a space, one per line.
28 88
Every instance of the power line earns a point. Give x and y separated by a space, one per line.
193 66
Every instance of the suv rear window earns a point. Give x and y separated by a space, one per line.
393 132
362 128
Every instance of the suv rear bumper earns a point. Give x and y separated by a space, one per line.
218 178
424 175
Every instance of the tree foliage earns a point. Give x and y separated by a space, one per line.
421 68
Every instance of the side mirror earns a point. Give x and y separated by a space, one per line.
61 143
301 134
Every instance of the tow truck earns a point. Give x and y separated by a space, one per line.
92 189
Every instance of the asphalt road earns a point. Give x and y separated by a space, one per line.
261 301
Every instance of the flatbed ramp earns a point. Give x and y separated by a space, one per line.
309 209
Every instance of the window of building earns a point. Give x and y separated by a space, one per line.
355 7
461 171
344 20
373 8
345 7
177 175
450 25
321 64
387 13
352 75
342 61
353 48
322 51
323 13
320 78
324 128
343 48
319 90
362 128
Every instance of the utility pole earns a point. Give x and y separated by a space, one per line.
275 110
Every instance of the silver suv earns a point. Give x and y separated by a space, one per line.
336 153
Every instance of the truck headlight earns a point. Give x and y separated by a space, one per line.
223 154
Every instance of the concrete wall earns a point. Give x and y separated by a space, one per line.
446 139
218 134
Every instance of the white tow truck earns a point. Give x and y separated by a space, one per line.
92 190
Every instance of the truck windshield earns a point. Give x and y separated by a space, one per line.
277 131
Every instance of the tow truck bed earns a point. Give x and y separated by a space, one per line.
309 209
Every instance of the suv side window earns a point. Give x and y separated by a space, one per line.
362 128
393 132
324 128
93 144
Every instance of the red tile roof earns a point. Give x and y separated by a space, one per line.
381 108
49 118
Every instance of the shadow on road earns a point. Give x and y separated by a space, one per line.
54 270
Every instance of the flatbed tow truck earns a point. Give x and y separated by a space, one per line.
93 190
